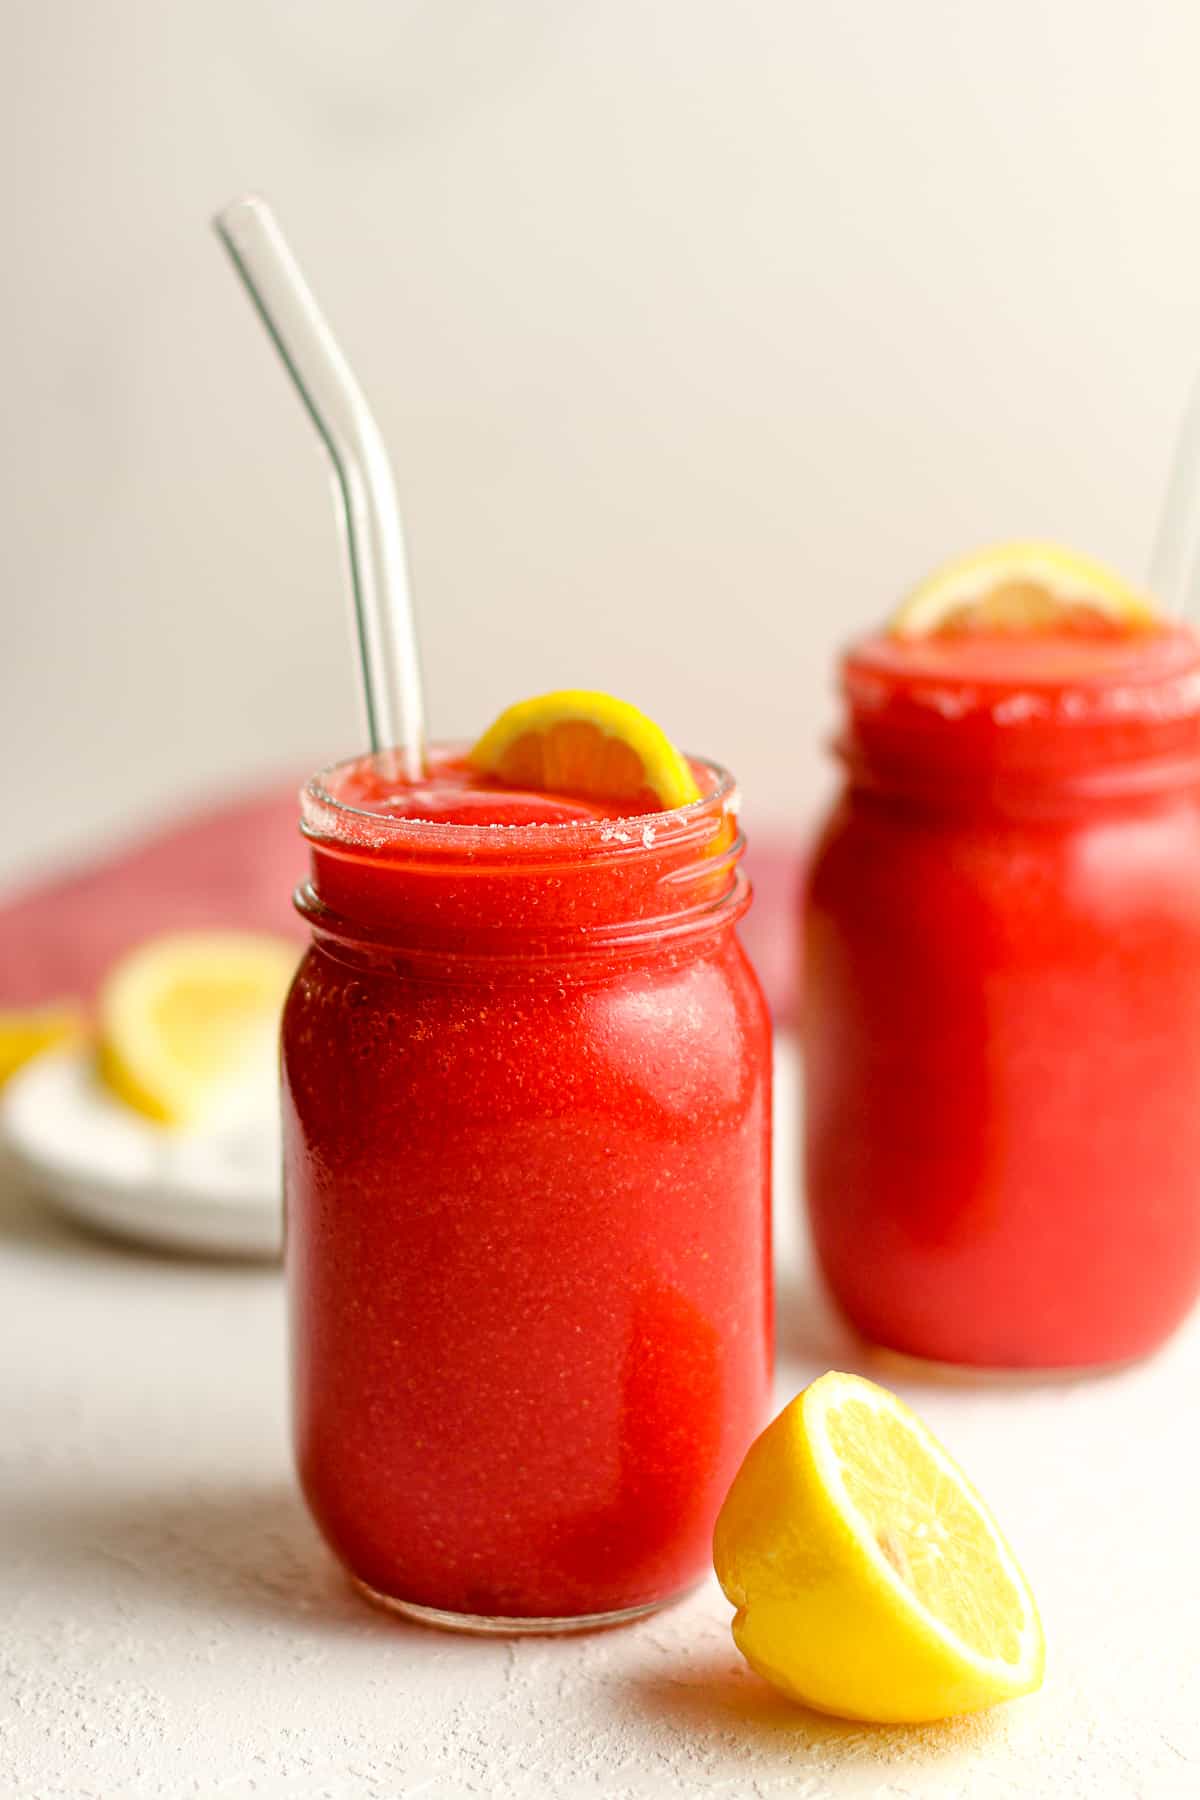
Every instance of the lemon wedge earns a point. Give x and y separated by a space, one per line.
1022 587
588 745
25 1033
870 1579
183 1018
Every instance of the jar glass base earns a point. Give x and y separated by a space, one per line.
481 1625
922 1368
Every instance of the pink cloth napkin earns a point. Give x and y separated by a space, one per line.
771 929
236 865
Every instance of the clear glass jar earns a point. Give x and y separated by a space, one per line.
1002 1000
527 1155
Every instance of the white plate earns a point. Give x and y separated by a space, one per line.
215 1190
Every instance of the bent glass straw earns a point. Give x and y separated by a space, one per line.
1173 578
365 488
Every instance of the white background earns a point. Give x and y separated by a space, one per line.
698 330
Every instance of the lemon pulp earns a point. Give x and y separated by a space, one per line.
587 744
184 1017
1026 585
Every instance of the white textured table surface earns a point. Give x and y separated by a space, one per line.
170 1625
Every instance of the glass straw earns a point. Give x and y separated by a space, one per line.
1172 577
365 488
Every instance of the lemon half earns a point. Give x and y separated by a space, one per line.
588 745
869 1577
184 1017
26 1032
1024 586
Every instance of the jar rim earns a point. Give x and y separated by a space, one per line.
1018 687
1023 725
324 818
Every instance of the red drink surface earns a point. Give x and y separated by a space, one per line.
1002 1004
455 793
527 1165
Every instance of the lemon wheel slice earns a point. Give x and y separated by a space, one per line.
869 1577
590 746
1022 587
25 1033
185 1017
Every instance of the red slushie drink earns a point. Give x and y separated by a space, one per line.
527 1113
